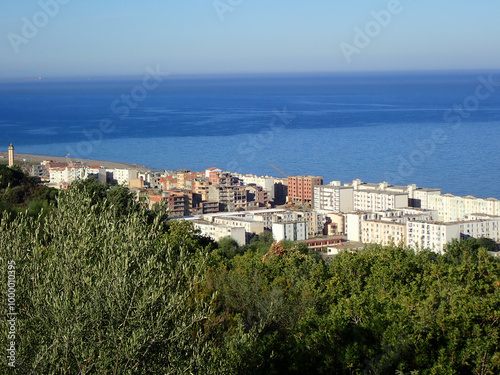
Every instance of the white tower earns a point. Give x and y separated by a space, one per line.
11 155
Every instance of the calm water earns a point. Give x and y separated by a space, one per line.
373 127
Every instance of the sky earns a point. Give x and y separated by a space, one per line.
121 37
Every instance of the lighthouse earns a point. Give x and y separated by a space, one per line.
11 155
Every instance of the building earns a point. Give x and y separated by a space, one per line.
383 232
97 172
72 172
300 189
333 197
431 235
218 231
11 155
186 177
230 198
481 225
267 183
370 197
40 171
176 202
454 208
354 220
334 224
257 197
201 186
251 226
321 244
205 207
168 182
212 170
280 191
292 231
417 197
121 175
136 183
379 200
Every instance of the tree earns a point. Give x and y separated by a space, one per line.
101 294
228 246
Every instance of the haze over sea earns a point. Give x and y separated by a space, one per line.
402 128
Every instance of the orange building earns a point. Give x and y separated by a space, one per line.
300 189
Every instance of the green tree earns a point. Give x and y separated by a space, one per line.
100 294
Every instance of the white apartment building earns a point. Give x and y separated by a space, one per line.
353 224
454 208
379 200
480 225
266 182
293 231
417 197
419 231
268 217
431 235
121 176
96 172
218 231
333 198
66 174
354 220
251 226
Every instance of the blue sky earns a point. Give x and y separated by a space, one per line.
117 37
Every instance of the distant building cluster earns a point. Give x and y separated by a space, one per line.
328 218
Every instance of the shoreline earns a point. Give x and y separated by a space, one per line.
32 158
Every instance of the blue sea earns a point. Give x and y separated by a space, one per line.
438 130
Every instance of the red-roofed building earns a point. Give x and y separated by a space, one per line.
212 170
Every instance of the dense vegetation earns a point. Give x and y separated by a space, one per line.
21 193
105 286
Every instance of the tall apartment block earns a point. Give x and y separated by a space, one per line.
300 189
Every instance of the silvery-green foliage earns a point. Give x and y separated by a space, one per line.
101 294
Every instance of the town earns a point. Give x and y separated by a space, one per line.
329 218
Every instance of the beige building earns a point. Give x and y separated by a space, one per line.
201 186
334 224
383 232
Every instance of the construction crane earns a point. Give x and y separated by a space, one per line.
278 170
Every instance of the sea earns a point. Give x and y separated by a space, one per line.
433 129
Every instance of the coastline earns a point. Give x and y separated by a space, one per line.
39 158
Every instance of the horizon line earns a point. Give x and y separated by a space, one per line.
90 77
